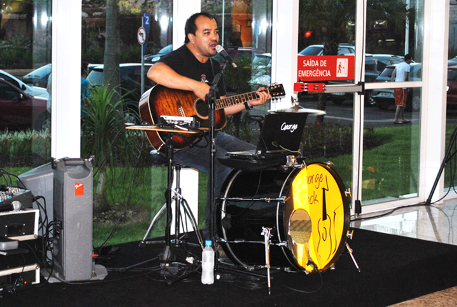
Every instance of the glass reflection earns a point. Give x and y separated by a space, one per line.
25 45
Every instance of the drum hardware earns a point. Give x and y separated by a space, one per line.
352 256
172 195
266 232
265 199
350 234
348 192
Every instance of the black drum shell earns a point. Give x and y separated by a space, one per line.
243 220
249 202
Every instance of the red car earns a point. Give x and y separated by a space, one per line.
452 85
20 111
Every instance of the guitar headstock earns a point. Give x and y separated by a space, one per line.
276 90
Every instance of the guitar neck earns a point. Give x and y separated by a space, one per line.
233 100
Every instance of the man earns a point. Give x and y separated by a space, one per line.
401 74
191 68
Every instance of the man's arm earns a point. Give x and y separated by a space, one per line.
263 97
406 75
162 74
394 73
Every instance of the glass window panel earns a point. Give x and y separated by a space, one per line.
129 184
328 28
25 52
245 33
391 151
393 29
451 94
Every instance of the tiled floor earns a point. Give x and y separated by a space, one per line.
434 223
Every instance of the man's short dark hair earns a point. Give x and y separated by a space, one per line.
408 57
191 27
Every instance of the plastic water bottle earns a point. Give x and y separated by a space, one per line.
208 264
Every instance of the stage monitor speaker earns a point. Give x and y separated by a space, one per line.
73 217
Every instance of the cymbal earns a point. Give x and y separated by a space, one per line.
298 109
158 128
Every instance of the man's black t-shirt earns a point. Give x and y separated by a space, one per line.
186 64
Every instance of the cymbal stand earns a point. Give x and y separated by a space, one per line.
266 232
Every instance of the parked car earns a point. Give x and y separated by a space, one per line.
130 74
40 76
261 71
30 90
20 111
384 98
261 64
384 60
238 52
319 50
452 62
452 86
154 58
371 73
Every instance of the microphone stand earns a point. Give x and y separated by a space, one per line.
210 99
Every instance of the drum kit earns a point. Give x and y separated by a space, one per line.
293 216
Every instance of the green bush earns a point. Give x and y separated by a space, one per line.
25 148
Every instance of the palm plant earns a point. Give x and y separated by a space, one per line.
104 136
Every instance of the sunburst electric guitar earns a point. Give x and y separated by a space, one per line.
162 101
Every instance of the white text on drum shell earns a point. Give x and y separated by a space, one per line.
291 127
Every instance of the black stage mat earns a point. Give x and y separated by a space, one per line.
393 269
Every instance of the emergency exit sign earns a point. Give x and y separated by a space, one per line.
325 68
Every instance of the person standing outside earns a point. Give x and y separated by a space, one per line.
401 74
192 68
84 88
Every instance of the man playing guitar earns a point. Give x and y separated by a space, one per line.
191 68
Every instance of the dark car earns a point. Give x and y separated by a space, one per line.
319 50
130 74
154 58
384 98
20 110
239 52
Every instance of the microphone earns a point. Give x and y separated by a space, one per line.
224 53
14 206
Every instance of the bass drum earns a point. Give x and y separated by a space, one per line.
307 209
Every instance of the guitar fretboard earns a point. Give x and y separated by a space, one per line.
233 100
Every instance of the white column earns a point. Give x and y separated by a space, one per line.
66 79
433 111
182 9
284 48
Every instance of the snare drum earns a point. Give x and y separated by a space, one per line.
307 209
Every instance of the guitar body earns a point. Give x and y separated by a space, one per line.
161 101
